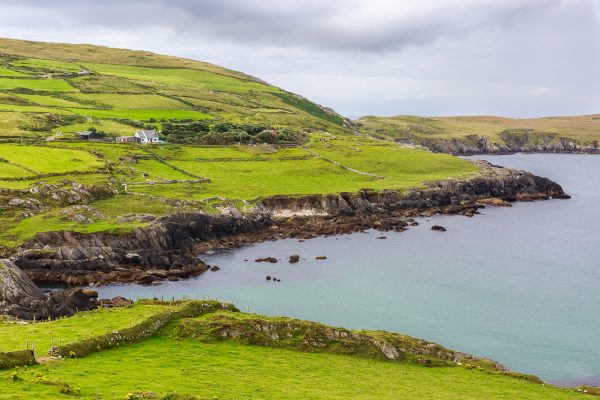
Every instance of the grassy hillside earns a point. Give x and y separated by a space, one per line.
217 367
49 91
583 129
48 87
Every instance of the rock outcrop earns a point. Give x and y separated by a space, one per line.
21 298
512 142
160 251
310 336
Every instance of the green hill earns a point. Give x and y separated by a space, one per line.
551 134
232 139
66 88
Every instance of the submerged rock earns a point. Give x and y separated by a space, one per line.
271 260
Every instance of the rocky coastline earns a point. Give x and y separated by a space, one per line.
171 247
482 145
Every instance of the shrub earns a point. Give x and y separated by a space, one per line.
16 359
140 396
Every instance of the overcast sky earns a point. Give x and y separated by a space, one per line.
516 58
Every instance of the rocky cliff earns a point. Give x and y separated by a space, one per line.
492 182
169 248
512 142
159 251
21 298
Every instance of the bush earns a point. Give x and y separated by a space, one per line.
140 396
16 359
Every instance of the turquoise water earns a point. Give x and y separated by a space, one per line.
520 285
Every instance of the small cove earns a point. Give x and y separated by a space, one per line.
519 285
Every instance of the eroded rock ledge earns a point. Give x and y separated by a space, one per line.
169 248
21 298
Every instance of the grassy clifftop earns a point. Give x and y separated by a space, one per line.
209 350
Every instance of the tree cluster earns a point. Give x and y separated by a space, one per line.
223 133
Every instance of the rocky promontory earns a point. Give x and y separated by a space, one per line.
170 247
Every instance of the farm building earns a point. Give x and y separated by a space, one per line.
147 136
88 135
127 139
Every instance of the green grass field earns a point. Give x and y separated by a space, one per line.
10 72
50 65
326 165
182 77
141 115
109 126
33 109
45 100
45 160
231 370
12 171
13 337
132 101
51 85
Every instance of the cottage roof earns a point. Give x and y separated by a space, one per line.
147 134
85 133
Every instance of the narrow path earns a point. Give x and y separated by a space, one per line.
342 165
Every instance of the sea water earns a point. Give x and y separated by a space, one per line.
519 285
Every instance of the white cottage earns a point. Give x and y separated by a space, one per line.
147 136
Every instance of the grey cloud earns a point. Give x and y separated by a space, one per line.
428 57
359 25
